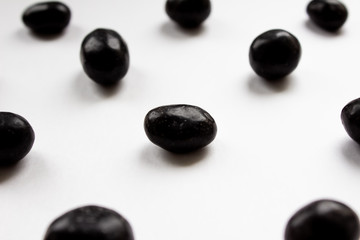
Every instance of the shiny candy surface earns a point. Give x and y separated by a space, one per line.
90 223
323 219
105 56
329 15
274 54
47 17
16 138
350 117
180 128
188 13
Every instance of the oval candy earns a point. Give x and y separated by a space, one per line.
47 17
323 219
104 56
180 128
188 13
90 222
350 118
16 138
329 15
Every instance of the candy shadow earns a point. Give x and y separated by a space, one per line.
72 32
47 37
173 30
156 156
8 172
316 29
351 151
262 86
89 90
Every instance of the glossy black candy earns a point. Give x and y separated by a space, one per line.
329 15
105 56
180 128
350 117
90 223
274 54
323 220
47 17
188 13
16 138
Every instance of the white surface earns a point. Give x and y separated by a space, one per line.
277 149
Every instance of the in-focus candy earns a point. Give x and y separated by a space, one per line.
180 128
274 54
105 56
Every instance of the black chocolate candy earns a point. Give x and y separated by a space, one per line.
90 223
323 220
329 15
350 117
188 13
180 128
47 17
16 138
105 56
274 54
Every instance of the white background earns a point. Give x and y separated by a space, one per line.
277 148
